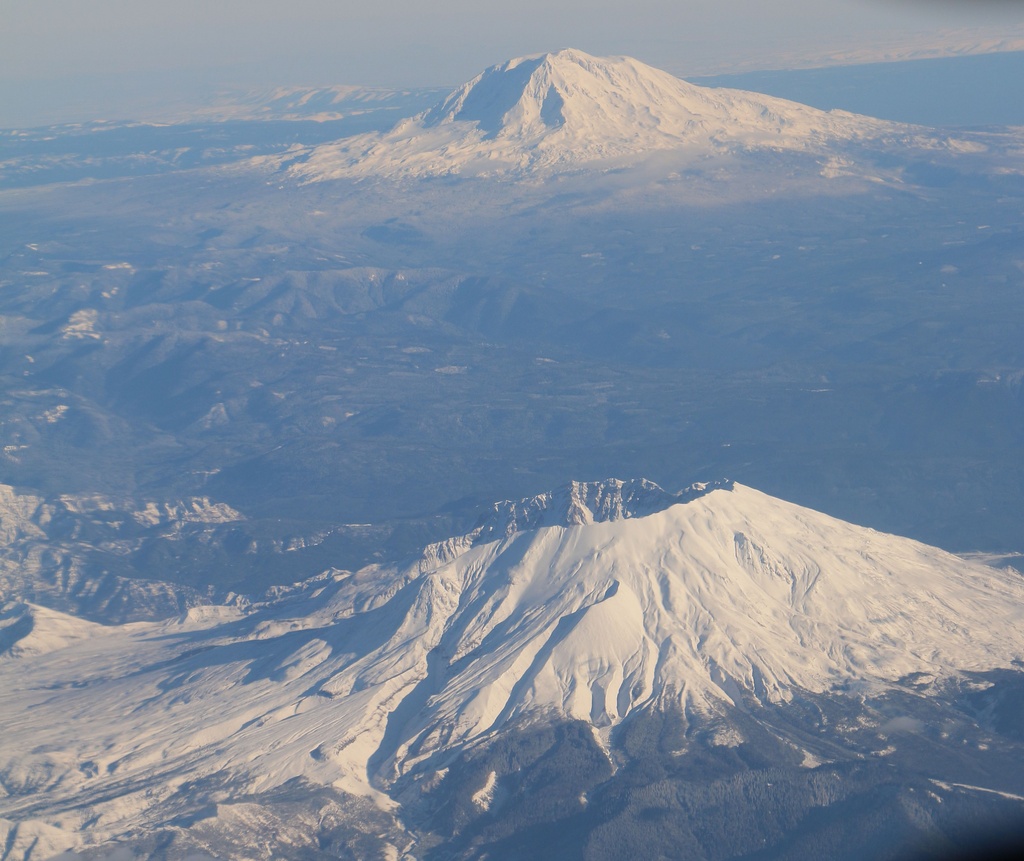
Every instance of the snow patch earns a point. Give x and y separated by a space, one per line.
810 760
483 798
950 786
54 415
196 510
726 737
82 325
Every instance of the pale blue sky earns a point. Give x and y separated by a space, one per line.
194 44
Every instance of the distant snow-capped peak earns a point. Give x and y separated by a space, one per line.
531 97
566 109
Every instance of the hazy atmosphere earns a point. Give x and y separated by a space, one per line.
495 431
61 59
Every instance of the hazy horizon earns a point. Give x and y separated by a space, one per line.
62 61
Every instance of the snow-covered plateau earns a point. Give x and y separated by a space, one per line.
568 110
599 605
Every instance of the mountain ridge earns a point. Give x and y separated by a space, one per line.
581 502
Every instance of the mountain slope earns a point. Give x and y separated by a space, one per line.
619 607
568 109
729 598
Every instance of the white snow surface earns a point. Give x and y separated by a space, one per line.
567 109
731 596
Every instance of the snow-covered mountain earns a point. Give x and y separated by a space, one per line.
602 603
77 553
568 109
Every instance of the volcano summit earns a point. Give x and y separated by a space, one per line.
567 109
